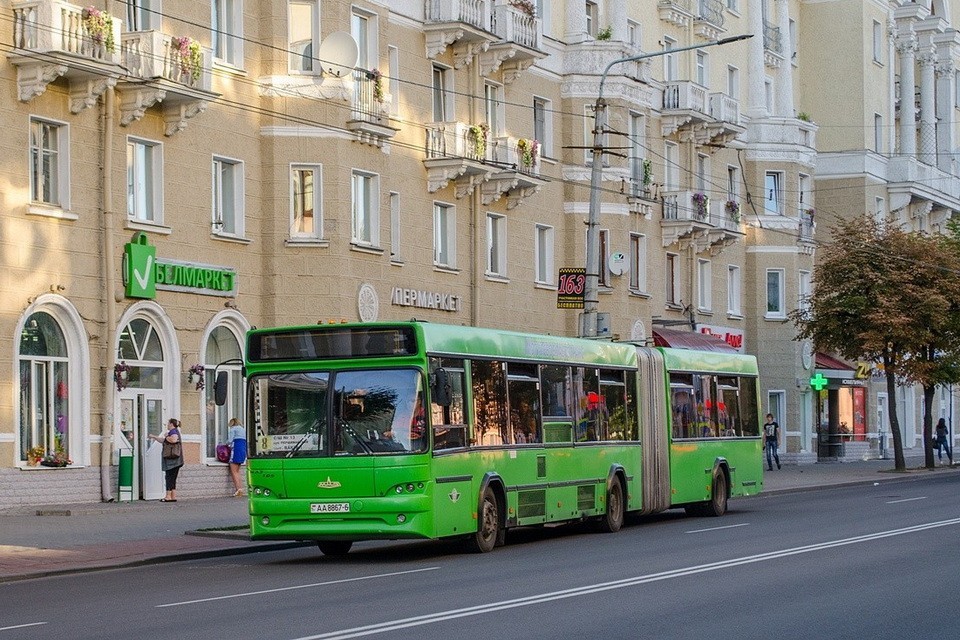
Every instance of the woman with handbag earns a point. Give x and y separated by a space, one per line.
172 458
237 438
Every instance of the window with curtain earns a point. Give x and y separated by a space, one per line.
44 388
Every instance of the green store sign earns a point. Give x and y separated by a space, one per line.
144 274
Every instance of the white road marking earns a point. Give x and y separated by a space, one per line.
452 614
729 526
21 626
299 586
906 500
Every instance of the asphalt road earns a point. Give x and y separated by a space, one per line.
857 562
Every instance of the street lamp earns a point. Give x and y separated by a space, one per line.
588 325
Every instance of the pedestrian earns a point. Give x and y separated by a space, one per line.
941 441
771 433
172 458
237 438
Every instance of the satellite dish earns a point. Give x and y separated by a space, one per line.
338 54
617 263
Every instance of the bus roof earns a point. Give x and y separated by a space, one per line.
713 361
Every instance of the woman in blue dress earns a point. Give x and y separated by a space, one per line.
237 438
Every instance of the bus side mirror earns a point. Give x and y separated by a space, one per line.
220 389
440 387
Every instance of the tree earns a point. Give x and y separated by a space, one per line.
885 295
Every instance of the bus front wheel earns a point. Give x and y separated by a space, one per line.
489 524
612 520
717 504
334 547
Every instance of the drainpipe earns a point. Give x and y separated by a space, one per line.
107 351
475 232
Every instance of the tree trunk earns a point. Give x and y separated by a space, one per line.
898 462
928 392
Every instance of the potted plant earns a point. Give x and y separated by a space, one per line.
702 203
606 33
646 173
732 207
195 376
190 54
527 151
377 79
58 458
35 455
98 26
524 6
478 132
121 371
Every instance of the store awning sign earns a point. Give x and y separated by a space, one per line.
144 274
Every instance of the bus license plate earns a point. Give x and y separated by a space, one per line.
330 507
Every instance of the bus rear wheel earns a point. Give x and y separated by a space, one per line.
334 547
489 525
612 520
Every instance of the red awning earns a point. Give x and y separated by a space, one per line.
689 340
825 361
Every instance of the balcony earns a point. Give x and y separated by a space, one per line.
676 12
772 45
369 117
807 229
161 69
685 110
54 39
709 21
465 24
519 174
460 152
693 218
725 112
519 44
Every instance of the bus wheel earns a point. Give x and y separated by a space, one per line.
489 528
717 505
612 520
334 547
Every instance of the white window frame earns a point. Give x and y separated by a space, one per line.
592 16
441 93
543 130
228 223
672 280
226 35
496 245
704 285
543 254
768 94
773 193
734 290
308 58
364 27
142 208
634 33
733 82
671 169
776 310
804 289
880 212
733 182
878 133
792 40
364 208
396 228
702 176
393 71
777 405
638 263
317 202
444 235
493 108
61 181
703 69
877 42
603 253
803 189
671 63
143 15
733 6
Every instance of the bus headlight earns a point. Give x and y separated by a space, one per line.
399 489
401 518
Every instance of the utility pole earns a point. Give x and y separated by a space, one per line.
588 324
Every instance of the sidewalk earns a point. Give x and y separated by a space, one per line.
56 539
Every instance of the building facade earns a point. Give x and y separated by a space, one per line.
178 172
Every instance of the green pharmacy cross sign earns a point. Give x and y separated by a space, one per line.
144 274
818 382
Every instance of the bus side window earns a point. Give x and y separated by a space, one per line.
449 421
489 382
749 411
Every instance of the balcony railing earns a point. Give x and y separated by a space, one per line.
724 108
711 11
511 152
685 95
807 225
151 54
53 26
473 12
369 98
512 25
458 140
771 38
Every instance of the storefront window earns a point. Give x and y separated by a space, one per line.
222 349
44 389
140 349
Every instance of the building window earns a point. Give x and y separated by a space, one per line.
670 68
303 29
773 193
227 31
364 29
543 126
877 42
592 16
144 181
703 69
603 277
442 105
704 285
638 263
543 254
733 183
792 33
49 163
733 82
393 68
775 294
633 34
395 237
768 94
496 245
734 287
544 13
493 108
880 209
672 279
44 388
671 169
803 186
804 290
228 197
703 173
365 196
878 133
732 5
142 15
444 235
776 405
306 202
638 152
223 346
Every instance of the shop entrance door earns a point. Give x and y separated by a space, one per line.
141 415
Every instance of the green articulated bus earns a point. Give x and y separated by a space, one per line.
413 430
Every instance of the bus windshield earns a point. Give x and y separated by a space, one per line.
323 414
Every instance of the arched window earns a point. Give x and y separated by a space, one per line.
222 347
44 389
140 348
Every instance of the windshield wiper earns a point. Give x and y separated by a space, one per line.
302 441
356 438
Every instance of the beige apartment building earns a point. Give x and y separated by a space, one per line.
177 172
